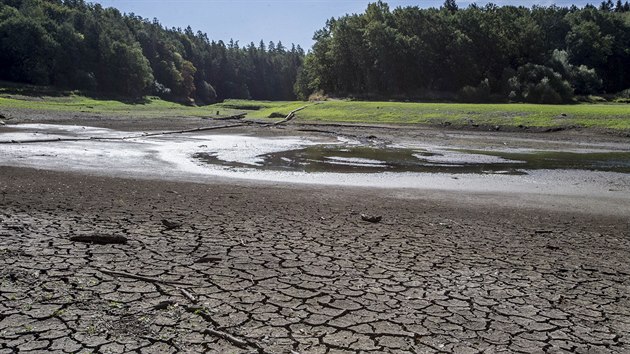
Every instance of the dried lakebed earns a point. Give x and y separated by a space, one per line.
228 266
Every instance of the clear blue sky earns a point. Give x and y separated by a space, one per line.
289 21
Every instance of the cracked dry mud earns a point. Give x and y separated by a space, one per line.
281 269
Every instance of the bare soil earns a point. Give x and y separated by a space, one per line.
275 268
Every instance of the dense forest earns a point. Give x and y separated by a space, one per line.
489 53
475 54
77 45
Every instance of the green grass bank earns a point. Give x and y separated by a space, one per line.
602 116
606 116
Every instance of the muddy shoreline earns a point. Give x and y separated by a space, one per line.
278 268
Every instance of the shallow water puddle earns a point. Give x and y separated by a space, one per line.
366 159
562 160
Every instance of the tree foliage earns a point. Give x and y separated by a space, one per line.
78 45
539 54
477 53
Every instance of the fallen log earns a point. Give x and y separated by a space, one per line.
291 115
191 130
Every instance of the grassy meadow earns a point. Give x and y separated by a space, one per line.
151 107
604 115
609 116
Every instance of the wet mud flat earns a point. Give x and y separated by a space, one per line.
274 269
280 155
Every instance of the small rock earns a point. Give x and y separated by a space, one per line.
164 305
371 218
2 122
170 225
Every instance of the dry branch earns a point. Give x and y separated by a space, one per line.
228 337
190 296
239 342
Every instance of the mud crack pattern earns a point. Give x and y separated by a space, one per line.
279 270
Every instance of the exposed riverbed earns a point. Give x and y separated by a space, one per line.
488 242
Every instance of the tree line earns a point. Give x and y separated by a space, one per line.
479 53
77 45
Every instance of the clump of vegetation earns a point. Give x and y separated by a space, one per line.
623 96
539 84
479 93
318 96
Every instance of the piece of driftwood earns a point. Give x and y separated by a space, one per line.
141 277
371 218
239 342
170 225
191 130
189 295
100 239
228 337
208 259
